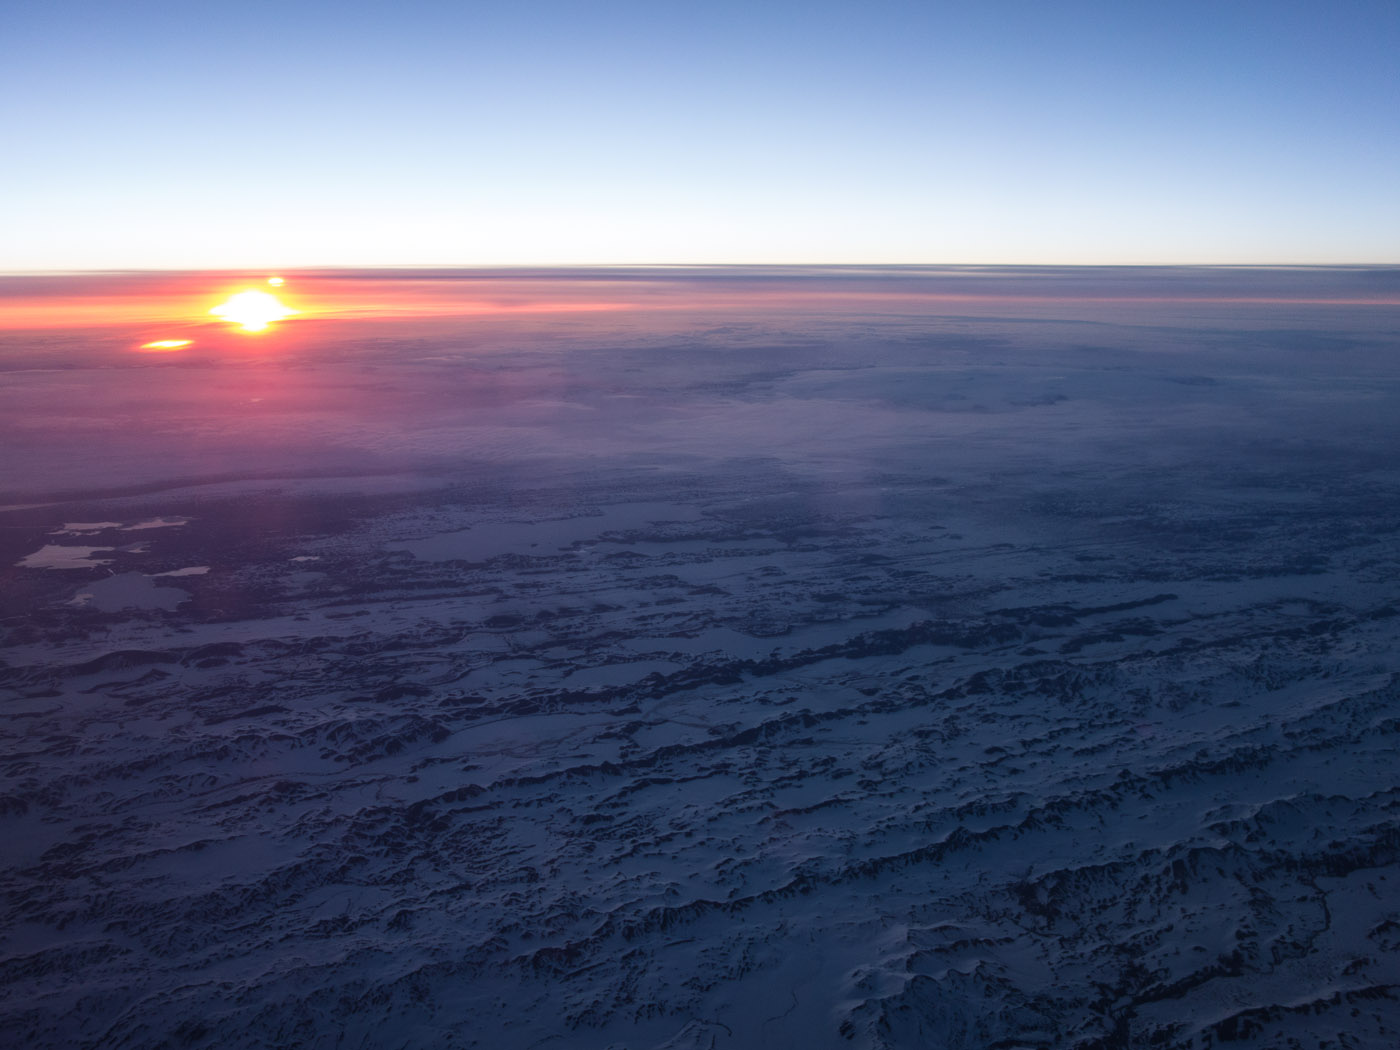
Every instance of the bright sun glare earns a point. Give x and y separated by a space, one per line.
252 310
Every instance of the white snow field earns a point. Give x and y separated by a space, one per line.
886 678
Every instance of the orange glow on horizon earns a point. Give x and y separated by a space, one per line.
150 305
276 282
166 345
252 311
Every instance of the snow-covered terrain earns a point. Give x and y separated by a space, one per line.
881 682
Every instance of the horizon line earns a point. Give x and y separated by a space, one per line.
527 268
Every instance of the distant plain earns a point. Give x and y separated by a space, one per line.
711 657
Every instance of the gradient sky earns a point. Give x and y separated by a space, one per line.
178 135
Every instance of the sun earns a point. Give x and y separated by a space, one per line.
252 310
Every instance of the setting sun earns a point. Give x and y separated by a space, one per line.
252 310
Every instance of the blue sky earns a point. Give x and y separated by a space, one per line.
278 135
